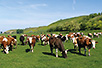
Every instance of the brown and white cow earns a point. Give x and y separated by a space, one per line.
58 45
44 39
8 43
85 42
14 42
38 37
96 34
31 41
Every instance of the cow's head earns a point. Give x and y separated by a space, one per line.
93 43
64 53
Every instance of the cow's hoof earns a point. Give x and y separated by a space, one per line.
57 56
89 55
84 55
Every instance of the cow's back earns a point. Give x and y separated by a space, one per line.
81 41
21 38
57 43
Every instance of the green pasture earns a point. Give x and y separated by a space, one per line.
41 57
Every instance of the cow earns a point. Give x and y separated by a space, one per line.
1 39
45 40
85 42
38 37
7 43
31 41
15 40
60 36
22 38
57 44
96 35
90 35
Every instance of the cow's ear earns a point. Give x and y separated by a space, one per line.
96 42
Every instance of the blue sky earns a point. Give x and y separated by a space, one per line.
20 14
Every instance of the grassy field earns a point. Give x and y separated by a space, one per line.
41 57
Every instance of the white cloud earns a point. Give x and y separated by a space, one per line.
37 5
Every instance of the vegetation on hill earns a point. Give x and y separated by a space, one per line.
86 22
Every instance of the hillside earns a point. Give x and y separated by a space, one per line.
89 22
86 22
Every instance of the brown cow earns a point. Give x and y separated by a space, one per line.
31 41
85 42
57 44
1 38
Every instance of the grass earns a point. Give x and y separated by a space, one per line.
41 57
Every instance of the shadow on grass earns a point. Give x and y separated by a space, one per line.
27 50
46 53
74 52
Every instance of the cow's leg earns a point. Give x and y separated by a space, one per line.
41 42
85 50
79 50
89 52
51 50
32 48
15 44
12 47
6 49
56 52
74 47
48 42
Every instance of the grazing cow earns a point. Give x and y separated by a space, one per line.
31 41
7 44
14 37
15 40
57 44
85 43
38 37
75 43
22 38
63 38
90 35
96 35
1 38
45 40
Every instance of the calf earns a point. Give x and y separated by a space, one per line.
57 44
85 42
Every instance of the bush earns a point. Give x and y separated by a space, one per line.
18 31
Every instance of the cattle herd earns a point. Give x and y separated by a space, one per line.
55 41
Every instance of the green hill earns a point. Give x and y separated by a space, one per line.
85 22
88 22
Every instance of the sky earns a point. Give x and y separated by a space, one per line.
20 14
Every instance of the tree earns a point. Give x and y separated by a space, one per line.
18 31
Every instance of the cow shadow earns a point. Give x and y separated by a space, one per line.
27 50
75 52
46 53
